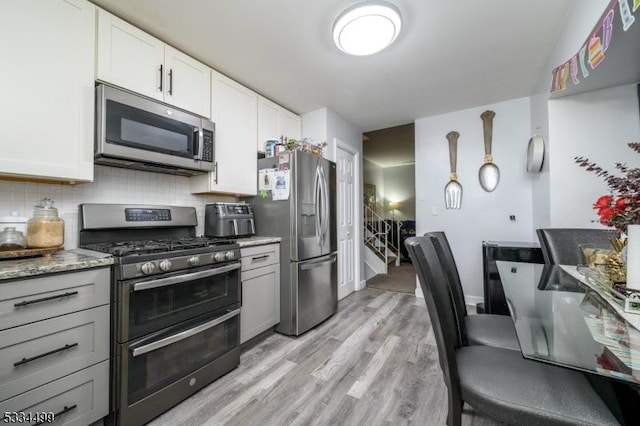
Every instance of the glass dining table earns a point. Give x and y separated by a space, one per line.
560 320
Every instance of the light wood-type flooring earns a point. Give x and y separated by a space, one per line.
373 363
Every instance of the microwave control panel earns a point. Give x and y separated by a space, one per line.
207 146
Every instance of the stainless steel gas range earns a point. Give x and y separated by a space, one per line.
175 304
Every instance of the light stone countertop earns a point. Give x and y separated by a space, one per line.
257 241
63 261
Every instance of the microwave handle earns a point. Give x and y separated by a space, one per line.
197 136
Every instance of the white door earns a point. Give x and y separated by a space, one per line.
188 82
345 162
130 58
235 113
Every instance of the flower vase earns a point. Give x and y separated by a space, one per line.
633 257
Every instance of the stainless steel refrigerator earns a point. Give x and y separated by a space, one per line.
306 222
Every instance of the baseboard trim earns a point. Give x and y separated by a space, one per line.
362 285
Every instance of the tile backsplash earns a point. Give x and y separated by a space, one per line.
110 185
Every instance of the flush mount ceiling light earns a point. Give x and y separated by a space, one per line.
366 28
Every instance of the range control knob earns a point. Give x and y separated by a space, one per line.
165 265
230 255
194 261
147 268
219 257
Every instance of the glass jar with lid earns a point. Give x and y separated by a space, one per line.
45 229
10 239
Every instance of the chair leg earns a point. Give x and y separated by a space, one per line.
454 418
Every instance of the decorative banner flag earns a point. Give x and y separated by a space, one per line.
592 52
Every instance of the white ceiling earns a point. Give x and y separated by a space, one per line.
451 55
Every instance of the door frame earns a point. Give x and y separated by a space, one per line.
357 211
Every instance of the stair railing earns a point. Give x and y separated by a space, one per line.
376 232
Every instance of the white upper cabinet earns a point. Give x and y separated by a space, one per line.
235 113
46 105
188 83
129 57
275 121
132 59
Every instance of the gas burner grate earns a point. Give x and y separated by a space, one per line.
130 248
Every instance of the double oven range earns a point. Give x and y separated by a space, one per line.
175 305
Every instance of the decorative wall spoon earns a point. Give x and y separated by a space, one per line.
489 173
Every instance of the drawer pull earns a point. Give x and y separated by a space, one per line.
45 299
59 413
26 360
263 257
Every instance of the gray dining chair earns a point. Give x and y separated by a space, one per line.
484 329
499 382
560 245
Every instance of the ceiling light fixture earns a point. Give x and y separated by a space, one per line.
367 28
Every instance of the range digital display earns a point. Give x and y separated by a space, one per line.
147 215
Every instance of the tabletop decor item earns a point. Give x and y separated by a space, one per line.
621 209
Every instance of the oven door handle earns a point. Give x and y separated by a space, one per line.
183 335
163 282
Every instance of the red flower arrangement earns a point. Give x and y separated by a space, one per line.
622 207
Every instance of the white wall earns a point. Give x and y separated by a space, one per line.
374 175
483 216
325 125
596 125
110 185
540 180
314 126
399 187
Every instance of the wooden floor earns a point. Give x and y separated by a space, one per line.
373 363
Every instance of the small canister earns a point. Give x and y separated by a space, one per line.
45 229
270 147
279 148
10 239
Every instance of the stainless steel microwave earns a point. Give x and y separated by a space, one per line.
140 133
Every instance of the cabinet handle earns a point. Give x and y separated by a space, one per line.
216 178
171 82
45 299
55 351
161 74
59 413
263 257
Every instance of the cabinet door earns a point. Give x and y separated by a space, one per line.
40 352
78 399
260 301
188 82
129 57
48 89
267 122
234 110
290 124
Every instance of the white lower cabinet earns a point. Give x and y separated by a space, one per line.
54 347
78 399
260 276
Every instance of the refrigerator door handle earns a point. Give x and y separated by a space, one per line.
312 265
318 200
325 206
